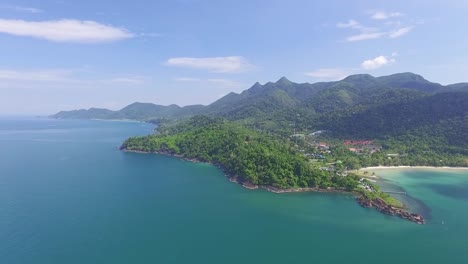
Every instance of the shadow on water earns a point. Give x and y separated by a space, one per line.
413 204
452 191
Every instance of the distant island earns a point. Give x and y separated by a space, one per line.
286 136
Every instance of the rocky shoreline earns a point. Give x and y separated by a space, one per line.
238 179
379 204
384 208
250 186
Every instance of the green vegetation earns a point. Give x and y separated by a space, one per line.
424 122
135 111
408 150
377 194
252 156
261 136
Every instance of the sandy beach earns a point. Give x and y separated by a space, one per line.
413 167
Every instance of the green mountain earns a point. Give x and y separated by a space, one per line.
135 111
411 81
92 113
259 137
276 99
359 106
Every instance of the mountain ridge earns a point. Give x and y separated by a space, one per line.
273 106
299 91
358 106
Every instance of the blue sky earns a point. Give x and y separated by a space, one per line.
62 55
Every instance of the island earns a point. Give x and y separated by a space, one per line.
258 160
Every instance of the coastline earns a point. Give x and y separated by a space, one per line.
124 120
376 203
119 120
248 185
413 167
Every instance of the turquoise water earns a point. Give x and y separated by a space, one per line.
68 195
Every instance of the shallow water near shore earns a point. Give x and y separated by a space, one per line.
68 195
437 187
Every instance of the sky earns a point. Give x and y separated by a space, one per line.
63 55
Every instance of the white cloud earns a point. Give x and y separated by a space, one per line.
376 62
365 36
28 9
22 9
333 74
63 77
376 35
329 73
154 35
381 15
366 33
230 64
353 24
39 75
350 24
66 30
400 32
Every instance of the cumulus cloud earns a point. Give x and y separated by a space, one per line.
333 74
231 64
381 15
329 73
377 62
66 30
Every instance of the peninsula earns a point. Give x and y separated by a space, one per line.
256 160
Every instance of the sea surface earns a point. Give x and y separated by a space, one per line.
68 195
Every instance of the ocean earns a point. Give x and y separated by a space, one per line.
68 195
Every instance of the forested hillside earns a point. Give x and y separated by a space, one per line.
401 107
442 115
285 98
253 157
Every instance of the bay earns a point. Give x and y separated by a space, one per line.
68 195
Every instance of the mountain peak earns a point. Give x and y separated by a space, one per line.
407 76
283 80
359 77
256 86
